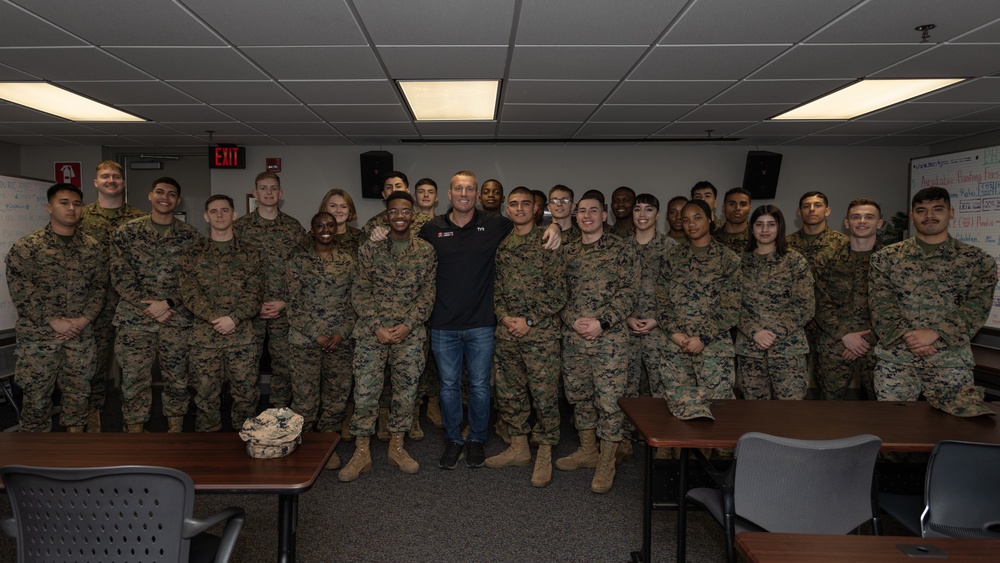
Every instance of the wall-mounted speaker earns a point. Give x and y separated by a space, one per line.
374 165
760 177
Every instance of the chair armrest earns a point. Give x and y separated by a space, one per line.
234 517
8 526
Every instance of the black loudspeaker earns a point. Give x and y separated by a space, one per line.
760 177
374 164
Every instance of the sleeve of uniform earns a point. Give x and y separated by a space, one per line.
124 277
27 297
363 291
250 294
888 320
194 298
972 312
666 316
299 317
423 302
726 313
622 302
346 327
501 290
98 286
551 298
749 323
802 298
828 314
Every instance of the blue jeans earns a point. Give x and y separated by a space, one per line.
450 347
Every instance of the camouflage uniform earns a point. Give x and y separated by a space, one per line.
218 280
319 304
381 220
777 295
841 277
530 283
100 223
646 351
623 232
392 287
349 241
276 240
678 239
601 279
49 278
698 294
146 265
737 242
949 290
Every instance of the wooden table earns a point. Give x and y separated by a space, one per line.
759 547
911 426
217 463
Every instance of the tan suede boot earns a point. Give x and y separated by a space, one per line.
517 455
74 429
416 433
585 456
175 424
604 477
542 475
333 462
345 427
360 462
137 428
382 431
94 420
434 411
398 456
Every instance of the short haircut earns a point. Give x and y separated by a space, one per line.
494 181
468 173
541 194
675 199
930 194
426 182
399 195
561 188
352 214
738 190
396 174
702 185
522 190
110 164
623 189
220 197
56 188
864 201
781 247
820 195
166 180
267 176
595 194
320 214
648 199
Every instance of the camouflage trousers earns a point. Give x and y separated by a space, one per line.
714 373
594 378
277 344
104 342
41 366
834 374
321 384
648 364
405 362
210 368
135 350
430 382
527 375
772 377
898 382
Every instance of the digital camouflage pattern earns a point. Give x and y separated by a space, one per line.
381 220
530 283
646 351
349 240
273 433
825 242
623 232
602 281
49 278
737 242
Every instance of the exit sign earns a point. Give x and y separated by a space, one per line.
227 156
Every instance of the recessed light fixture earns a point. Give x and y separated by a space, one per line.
451 100
54 100
865 96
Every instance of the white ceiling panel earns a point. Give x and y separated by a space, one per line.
385 112
342 91
948 61
786 128
594 22
23 29
69 63
133 92
54 128
433 63
556 91
176 113
573 63
132 129
190 63
451 22
437 128
736 112
221 129
724 22
924 112
704 62
777 91
370 129
10 75
35 141
316 63
845 62
893 21
268 113
865 127
955 128
266 22
235 92
983 90
297 129
12 113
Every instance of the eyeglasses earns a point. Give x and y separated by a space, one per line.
403 212
562 200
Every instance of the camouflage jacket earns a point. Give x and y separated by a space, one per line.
381 220
825 242
698 294
276 241
350 241
777 295
649 260
626 232
219 282
392 289
48 278
602 281
99 224
530 283
319 295
146 266
949 290
737 242
841 277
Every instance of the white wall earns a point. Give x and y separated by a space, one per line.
10 159
39 162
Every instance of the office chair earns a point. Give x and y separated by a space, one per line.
112 514
795 486
962 491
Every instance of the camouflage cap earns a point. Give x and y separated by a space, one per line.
687 403
273 433
967 402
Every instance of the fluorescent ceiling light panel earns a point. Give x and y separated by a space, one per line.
51 99
865 96
452 100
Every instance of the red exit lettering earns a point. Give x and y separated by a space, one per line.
226 156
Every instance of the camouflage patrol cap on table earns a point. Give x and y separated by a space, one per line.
968 402
687 403
273 433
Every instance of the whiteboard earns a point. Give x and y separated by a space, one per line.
22 207
973 180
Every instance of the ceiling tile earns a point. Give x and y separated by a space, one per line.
8 74
784 128
593 22
547 112
268 113
220 129
342 91
369 112
955 128
873 127
175 113
131 129
444 62
948 61
172 141
15 113
983 90
700 129
69 63
293 128
833 140
127 93
611 130
190 63
514 129
482 23
835 61
778 91
989 33
54 128
312 140
431 129
573 63
35 140
22 29
893 21
316 63
775 21
992 114
655 113
736 112
668 91
235 92
265 22
906 140
376 129
556 91
704 62
917 111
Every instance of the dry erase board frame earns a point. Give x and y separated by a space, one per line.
972 178
22 205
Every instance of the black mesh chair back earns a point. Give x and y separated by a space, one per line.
962 491
128 514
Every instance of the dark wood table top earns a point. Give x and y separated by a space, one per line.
760 547
910 426
216 461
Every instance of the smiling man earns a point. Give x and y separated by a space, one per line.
735 233
622 202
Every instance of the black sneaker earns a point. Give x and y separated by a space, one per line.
474 455
452 455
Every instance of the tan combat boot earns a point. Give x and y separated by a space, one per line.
334 462
382 431
604 477
542 475
175 424
94 420
137 428
624 452
360 462
345 427
398 456
74 429
416 433
585 456
502 432
434 411
517 455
